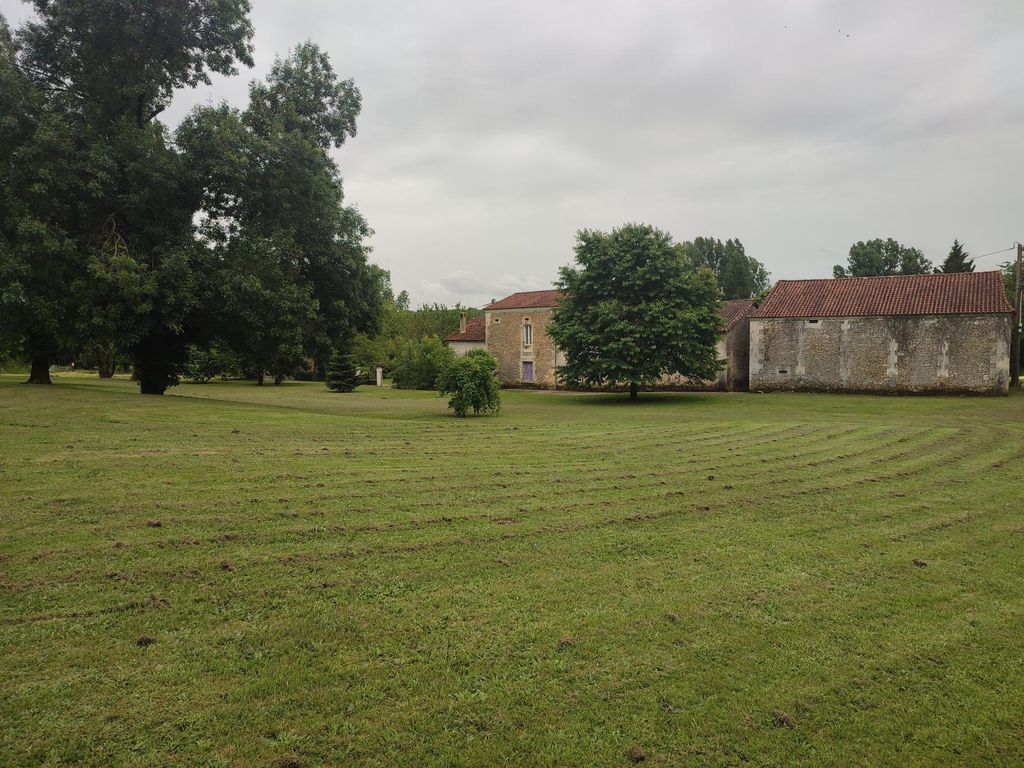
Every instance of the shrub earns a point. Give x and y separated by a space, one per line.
472 382
419 363
204 364
341 373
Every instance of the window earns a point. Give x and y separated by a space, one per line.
528 372
527 334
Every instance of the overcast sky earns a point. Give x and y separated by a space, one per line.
492 131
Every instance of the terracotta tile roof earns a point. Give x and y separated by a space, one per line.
961 293
527 299
476 330
735 310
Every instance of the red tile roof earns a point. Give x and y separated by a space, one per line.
735 310
476 330
732 311
527 299
961 293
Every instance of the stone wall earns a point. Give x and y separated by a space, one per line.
936 353
737 358
505 342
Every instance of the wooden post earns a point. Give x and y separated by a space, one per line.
1015 335
380 377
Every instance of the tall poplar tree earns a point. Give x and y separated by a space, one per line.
96 194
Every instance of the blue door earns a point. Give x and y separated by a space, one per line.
528 372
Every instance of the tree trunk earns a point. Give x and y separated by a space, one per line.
105 362
259 378
633 396
152 385
40 373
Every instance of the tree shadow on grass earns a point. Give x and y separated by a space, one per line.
645 399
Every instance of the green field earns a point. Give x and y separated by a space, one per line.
283 576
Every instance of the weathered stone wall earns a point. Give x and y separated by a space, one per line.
737 357
936 353
505 342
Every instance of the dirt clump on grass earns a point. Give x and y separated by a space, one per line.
145 641
566 641
920 563
154 523
781 720
635 754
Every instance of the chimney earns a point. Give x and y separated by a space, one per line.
462 322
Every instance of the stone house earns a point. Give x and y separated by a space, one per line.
907 333
515 332
471 335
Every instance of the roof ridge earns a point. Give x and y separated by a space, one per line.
883 277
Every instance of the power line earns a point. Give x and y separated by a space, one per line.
993 253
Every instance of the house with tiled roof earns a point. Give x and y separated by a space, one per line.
901 333
514 330
471 335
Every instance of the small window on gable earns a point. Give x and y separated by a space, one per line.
497 319
813 322
783 371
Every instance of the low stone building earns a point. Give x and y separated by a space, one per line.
912 333
515 332
472 334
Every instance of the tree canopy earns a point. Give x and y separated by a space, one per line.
634 310
739 276
878 257
958 260
118 238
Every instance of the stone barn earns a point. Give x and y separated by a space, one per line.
471 335
904 333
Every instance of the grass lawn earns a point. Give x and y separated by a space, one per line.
283 576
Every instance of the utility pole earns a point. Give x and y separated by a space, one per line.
1015 335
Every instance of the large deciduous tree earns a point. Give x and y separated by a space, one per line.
634 309
958 260
267 176
739 276
93 183
879 257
